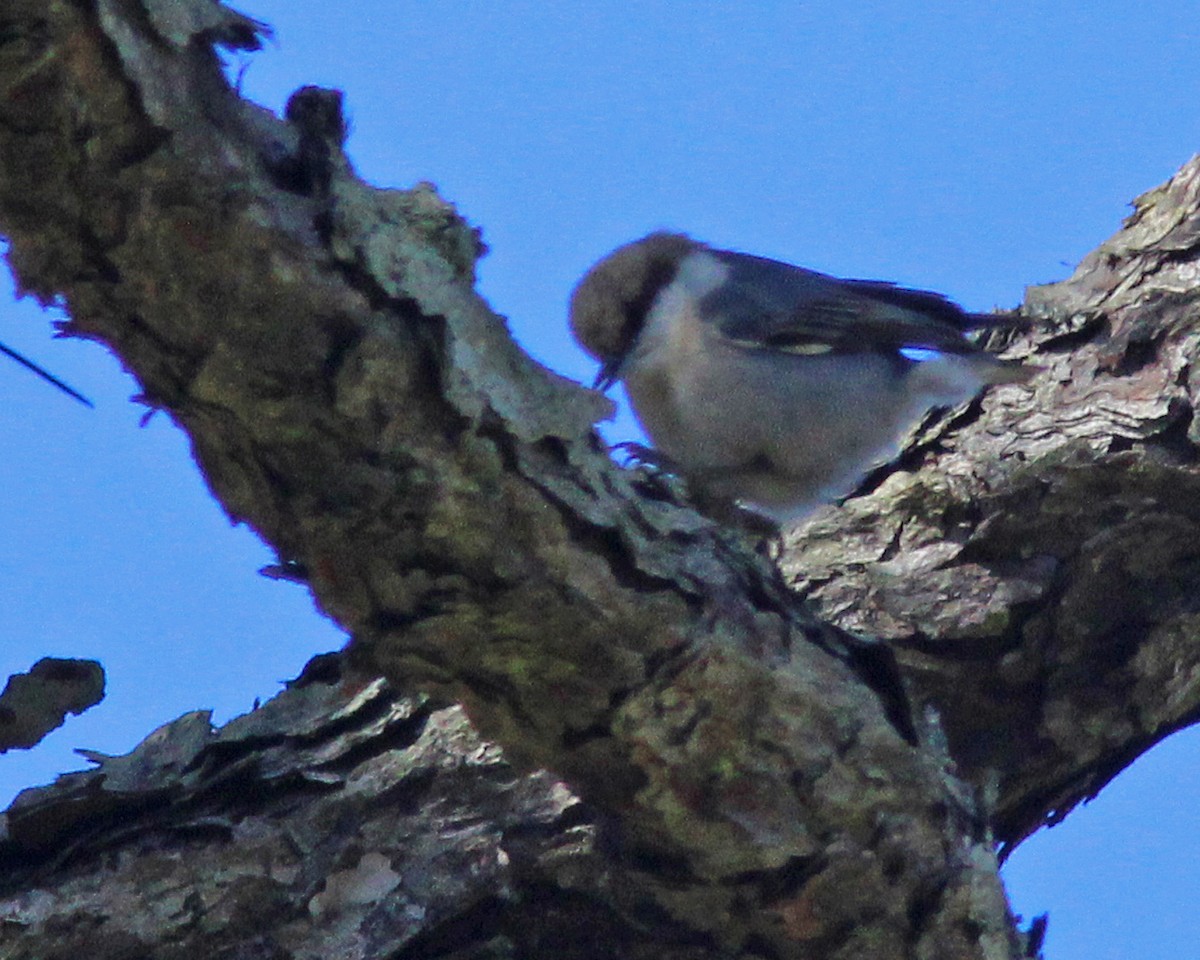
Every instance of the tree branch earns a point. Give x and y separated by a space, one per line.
1037 570
764 779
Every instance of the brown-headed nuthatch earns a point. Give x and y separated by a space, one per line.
767 383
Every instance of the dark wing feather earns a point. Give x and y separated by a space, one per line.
788 308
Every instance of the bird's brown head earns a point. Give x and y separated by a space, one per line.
609 305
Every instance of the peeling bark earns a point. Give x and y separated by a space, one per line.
37 702
339 820
754 780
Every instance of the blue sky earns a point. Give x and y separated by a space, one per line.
964 147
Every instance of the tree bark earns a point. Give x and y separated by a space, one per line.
745 778
37 702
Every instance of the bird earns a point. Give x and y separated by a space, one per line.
767 385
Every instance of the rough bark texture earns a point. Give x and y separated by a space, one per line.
37 702
339 820
1036 564
757 782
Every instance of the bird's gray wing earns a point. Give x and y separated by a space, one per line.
766 304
